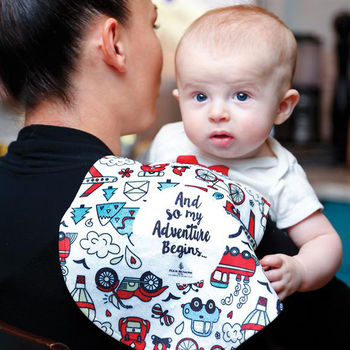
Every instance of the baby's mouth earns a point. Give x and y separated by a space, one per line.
221 138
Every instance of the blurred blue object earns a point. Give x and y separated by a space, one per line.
339 215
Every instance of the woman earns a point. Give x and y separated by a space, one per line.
86 73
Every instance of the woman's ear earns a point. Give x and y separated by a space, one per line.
176 94
287 105
112 46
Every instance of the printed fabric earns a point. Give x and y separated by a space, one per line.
162 256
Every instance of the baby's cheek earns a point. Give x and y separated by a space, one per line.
255 133
193 131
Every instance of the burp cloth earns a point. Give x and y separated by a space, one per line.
162 256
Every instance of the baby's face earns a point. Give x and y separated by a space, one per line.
228 102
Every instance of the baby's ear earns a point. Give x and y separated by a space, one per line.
176 94
287 105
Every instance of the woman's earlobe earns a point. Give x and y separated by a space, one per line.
287 105
112 46
120 58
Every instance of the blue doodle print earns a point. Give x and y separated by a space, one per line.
118 215
202 316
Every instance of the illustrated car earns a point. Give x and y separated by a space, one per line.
134 331
233 262
145 288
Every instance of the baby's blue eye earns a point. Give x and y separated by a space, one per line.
200 97
241 96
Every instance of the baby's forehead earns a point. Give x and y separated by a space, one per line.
229 35
240 26
201 67
255 55
261 38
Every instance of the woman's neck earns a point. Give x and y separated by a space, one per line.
97 122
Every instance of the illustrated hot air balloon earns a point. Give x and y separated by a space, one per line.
64 246
83 299
256 320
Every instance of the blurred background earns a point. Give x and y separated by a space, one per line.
317 133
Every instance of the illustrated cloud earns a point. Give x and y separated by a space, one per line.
101 245
105 326
119 161
232 333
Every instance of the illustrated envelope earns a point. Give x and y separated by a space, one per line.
135 190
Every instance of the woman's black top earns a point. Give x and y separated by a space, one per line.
39 178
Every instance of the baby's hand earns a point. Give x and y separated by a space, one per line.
284 272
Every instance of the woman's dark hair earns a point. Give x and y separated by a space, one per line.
40 41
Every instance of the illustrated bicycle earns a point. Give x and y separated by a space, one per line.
234 191
191 344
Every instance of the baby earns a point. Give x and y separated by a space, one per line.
234 69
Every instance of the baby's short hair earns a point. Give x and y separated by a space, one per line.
242 25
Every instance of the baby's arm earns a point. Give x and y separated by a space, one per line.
319 257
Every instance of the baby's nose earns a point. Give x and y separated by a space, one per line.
219 116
